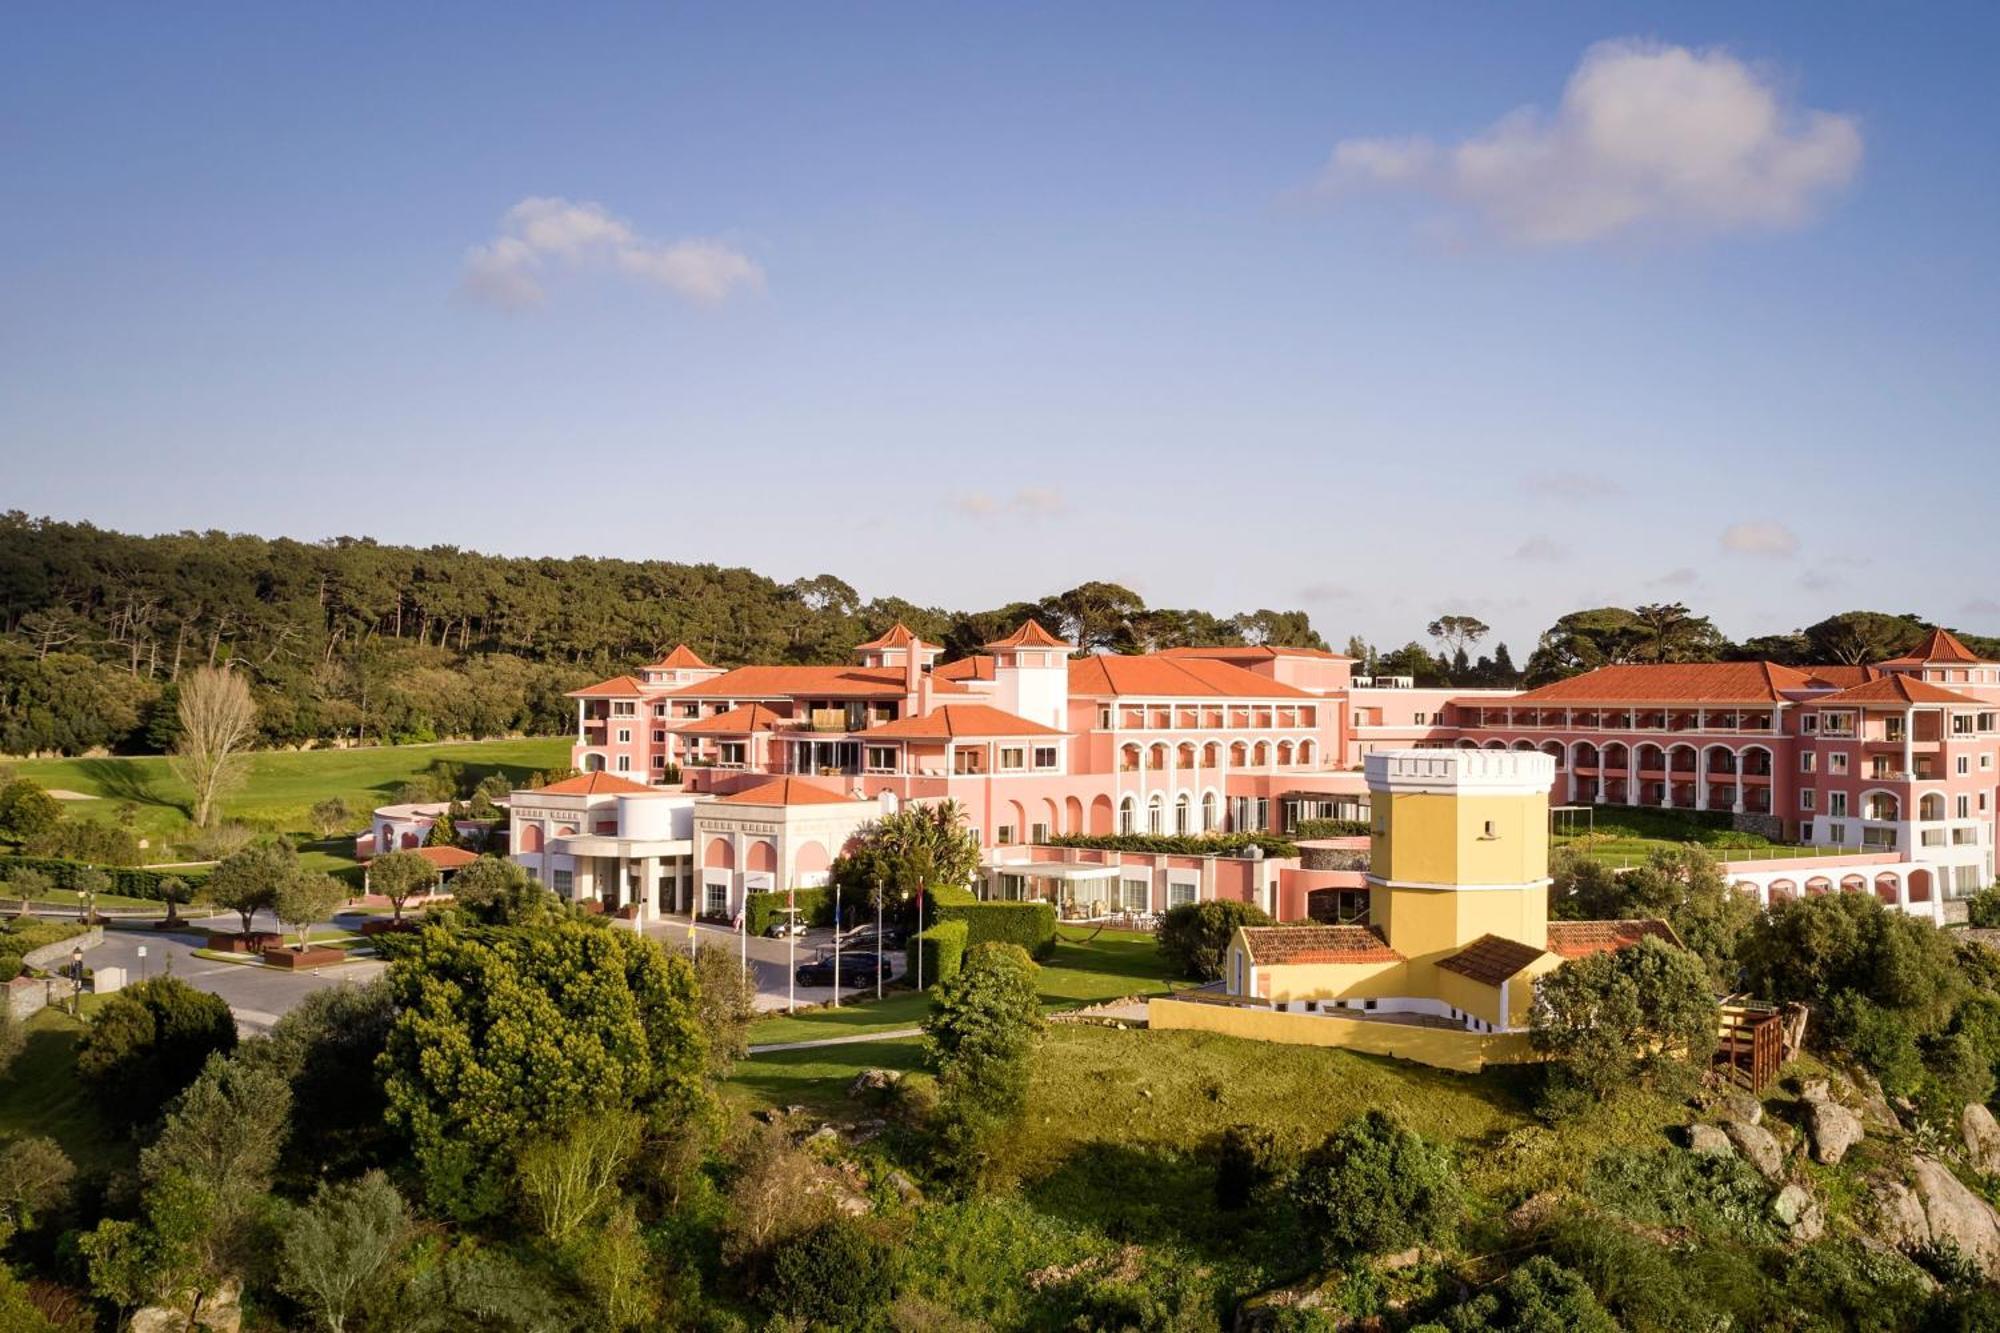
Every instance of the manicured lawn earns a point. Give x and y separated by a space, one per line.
280 786
105 901
1084 969
817 1078
39 1094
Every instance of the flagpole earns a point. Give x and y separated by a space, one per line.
792 936
878 936
920 942
836 944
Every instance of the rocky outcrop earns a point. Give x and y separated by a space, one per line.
1740 1104
1982 1139
1935 1208
1799 1213
870 1082
1709 1141
1758 1146
1833 1129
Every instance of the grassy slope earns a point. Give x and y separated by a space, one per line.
280 786
39 1094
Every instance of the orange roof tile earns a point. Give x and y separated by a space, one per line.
1841 677
1897 690
817 682
1253 652
954 720
737 722
1940 645
1270 945
1669 683
1030 635
899 636
979 666
1580 939
1491 959
1164 677
593 784
683 658
788 791
618 687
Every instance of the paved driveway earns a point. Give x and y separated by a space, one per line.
771 961
257 995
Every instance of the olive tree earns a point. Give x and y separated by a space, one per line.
401 876
304 901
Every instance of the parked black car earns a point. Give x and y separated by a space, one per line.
865 939
855 969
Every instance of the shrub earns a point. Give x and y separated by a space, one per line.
126 881
762 910
1184 844
1330 828
1194 937
979 1036
942 949
1030 926
1374 1185
1541 1296
148 1042
1634 1011
1245 1161
1982 909
836 1275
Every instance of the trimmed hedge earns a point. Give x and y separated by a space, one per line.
126 881
1030 925
943 950
1331 828
815 906
1179 844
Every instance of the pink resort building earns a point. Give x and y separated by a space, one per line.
699 784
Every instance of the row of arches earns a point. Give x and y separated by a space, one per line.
1187 756
1893 888
1666 776
1715 758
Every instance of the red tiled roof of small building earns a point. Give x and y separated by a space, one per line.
618 687
1491 959
1841 676
1580 939
898 636
787 791
954 720
683 658
979 666
1170 678
1030 635
594 784
1898 690
1668 683
1271 945
816 682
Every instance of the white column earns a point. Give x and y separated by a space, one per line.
1701 777
649 874
580 705
1631 775
1909 743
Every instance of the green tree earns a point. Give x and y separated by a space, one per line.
494 891
247 882
1672 633
979 1038
26 811
325 1048
728 1003
443 831
1374 1185
148 1042
1811 949
1193 938
1585 640
88 882
1854 638
901 854
303 901
1541 1296
338 1251
1683 886
570 1177
1457 635
401 876
331 816
175 892
1626 1013
35 1176
221 1141
502 1031
836 1275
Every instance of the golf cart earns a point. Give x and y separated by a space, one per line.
789 923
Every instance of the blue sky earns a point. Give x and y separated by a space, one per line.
970 303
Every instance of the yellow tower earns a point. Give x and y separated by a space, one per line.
1460 850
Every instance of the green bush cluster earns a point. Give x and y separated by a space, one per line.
126 881
1194 937
1032 926
763 909
943 951
1330 828
1184 844
21 937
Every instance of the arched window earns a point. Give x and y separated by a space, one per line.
1284 754
1156 815
1261 756
1183 812
1128 816
1211 755
1931 806
1211 813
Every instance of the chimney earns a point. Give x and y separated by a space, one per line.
916 687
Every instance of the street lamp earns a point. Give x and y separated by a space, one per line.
76 980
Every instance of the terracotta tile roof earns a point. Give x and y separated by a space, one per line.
1580 939
447 858
816 682
1671 683
737 722
1171 678
899 636
1270 945
1897 690
1258 652
1030 635
954 720
593 784
683 658
1940 645
1491 959
979 666
787 791
618 687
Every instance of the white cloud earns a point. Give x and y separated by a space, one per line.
1028 502
1647 137
1763 537
1542 549
539 234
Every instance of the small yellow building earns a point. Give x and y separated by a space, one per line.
1459 905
